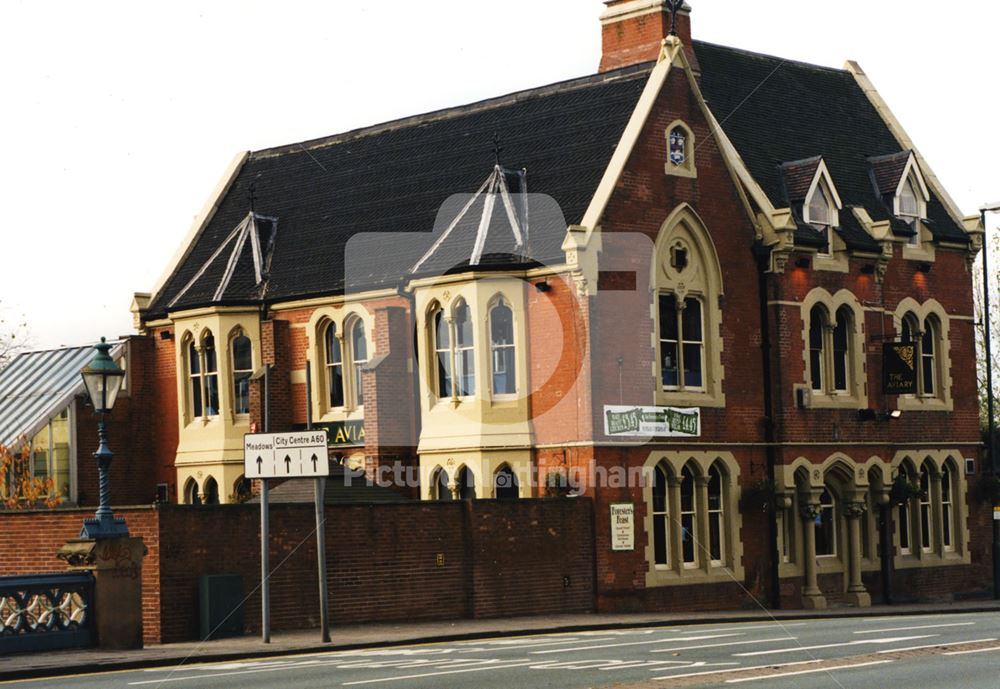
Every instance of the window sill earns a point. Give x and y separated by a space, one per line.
835 263
672 170
668 576
821 400
931 559
912 403
675 398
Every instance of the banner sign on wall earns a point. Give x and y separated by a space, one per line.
652 421
343 433
899 369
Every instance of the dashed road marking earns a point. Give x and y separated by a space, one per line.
921 626
806 672
634 643
859 642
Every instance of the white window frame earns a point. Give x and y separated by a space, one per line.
498 349
681 342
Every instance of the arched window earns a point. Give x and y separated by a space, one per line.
928 366
211 491
242 489
904 516
661 517
203 378
680 151
911 206
191 495
817 338
359 357
947 519
689 532
826 525
505 484
466 484
334 367
502 349
716 546
682 343
926 535
195 381
442 351
678 146
442 492
465 363
841 349
242 370
210 362
821 213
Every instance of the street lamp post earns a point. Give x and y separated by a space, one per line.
990 420
103 379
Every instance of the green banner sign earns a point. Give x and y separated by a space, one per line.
652 421
343 433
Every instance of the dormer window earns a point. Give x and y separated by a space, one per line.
911 205
821 213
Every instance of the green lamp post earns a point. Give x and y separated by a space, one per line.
103 379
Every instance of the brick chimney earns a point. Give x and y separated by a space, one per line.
633 31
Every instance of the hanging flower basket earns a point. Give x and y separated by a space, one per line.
904 490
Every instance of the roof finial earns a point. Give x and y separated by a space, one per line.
497 148
253 197
675 7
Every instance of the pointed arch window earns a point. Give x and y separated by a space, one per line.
926 342
911 204
334 367
716 502
904 517
947 519
359 357
926 521
689 518
680 150
442 491
831 358
503 356
826 525
821 213
242 370
466 484
203 378
505 484
661 517
817 337
442 351
465 361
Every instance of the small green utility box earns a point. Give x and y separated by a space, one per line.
220 606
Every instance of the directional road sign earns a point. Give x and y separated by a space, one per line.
285 455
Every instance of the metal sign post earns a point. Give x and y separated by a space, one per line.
319 496
287 455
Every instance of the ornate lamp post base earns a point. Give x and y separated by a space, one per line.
98 529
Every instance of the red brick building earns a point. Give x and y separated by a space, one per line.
668 284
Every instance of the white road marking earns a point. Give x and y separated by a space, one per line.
523 644
736 669
437 674
188 678
774 625
727 643
903 618
806 672
859 642
977 650
597 664
633 643
922 626
920 648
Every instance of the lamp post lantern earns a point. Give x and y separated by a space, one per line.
103 379
990 420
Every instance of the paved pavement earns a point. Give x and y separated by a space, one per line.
597 650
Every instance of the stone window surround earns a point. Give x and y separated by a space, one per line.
687 168
856 396
676 574
942 399
958 553
344 317
701 279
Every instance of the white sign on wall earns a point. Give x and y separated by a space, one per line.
285 455
622 526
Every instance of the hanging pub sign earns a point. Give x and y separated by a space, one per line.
899 368
343 433
652 421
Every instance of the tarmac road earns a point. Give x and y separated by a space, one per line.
912 652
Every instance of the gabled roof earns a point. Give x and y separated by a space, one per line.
775 110
394 177
798 177
36 386
887 171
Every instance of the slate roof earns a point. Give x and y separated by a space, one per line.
775 111
798 176
393 178
36 386
887 171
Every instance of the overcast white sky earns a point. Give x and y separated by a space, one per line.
118 118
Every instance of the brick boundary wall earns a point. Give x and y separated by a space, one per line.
386 563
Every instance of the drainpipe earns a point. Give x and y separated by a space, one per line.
763 256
